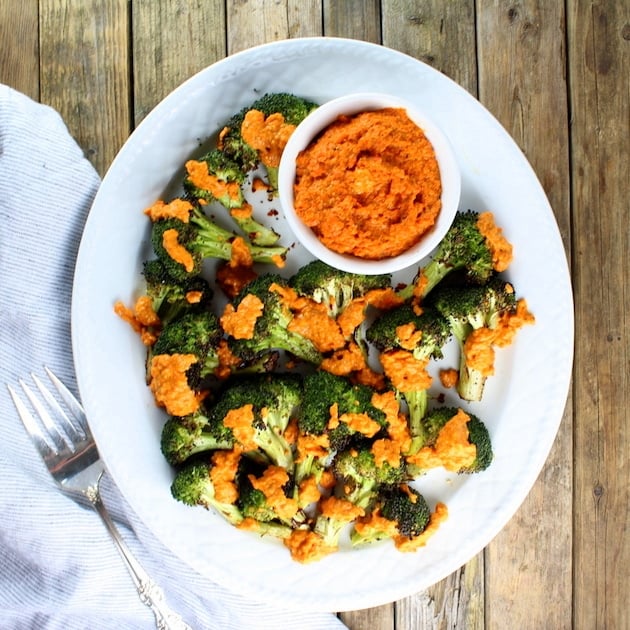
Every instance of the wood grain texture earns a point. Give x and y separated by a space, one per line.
84 52
442 34
599 56
254 22
19 46
354 19
171 42
455 602
528 565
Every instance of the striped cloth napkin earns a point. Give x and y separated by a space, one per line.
58 567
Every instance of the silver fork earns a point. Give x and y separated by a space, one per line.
68 449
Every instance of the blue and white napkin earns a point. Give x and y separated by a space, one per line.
58 567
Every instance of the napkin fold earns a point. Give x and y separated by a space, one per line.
58 567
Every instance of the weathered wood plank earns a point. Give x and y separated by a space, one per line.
599 55
19 46
355 19
521 50
254 22
377 618
84 51
442 35
455 602
171 41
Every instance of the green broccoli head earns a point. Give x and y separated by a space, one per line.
185 235
201 237
407 508
322 390
463 248
172 299
384 332
271 328
226 171
254 504
273 402
478 434
228 191
193 333
293 109
204 239
333 287
183 437
358 465
193 486
470 308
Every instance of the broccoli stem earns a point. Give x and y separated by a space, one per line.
258 234
471 382
214 242
417 403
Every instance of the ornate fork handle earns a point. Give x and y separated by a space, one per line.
149 592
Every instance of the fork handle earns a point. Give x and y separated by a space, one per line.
150 593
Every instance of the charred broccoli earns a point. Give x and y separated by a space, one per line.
469 309
463 248
426 335
222 180
271 329
405 510
193 486
324 392
201 239
333 287
257 410
183 437
172 299
293 110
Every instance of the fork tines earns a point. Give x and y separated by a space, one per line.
61 430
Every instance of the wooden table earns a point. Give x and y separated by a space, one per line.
556 74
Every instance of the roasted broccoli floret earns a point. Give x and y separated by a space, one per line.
193 485
425 336
271 330
362 477
293 110
223 183
406 510
324 392
254 503
194 333
333 287
200 334
470 309
257 410
463 248
183 437
436 419
172 299
201 239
